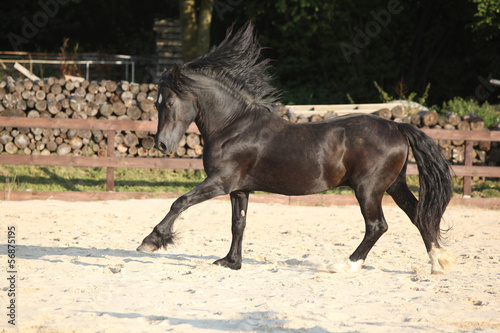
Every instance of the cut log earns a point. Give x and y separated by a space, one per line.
429 118
463 125
121 148
181 151
56 89
92 109
5 137
447 152
13 113
484 145
458 154
397 112
132 151
142 152
148 105
89 97
69 86
124 85
384 113
315 118
192 140
97 135
76 143
444 143
453 118
54 107
134 112
93 87
119 109
142 96
416 120
80 91
10 148
40 95
77 103
476 123
135 88
148 142
10 101
100 98
106 110
111 86
63 149
41 105
130 140
21 141
127 97
119 138
198 150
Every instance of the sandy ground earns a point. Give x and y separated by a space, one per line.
78 271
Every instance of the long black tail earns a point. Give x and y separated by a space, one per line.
435 182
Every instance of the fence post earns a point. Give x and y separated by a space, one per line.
468 162
110 172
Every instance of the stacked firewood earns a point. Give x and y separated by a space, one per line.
106 99
454 150
82 99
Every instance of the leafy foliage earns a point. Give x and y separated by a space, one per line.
488 17
425 42
490 116
449 43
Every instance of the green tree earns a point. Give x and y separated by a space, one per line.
488 16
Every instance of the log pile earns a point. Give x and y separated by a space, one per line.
106 99
58 98
485 152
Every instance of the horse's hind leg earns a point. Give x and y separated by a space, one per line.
403 197
376 226
239 203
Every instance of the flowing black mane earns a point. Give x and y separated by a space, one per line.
236 63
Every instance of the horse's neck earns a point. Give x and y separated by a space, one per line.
218 108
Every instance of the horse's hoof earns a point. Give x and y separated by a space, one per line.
147 248
347 266
441 260
437 271
225 263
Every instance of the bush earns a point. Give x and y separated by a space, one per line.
490 116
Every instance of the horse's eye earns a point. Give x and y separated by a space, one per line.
169 104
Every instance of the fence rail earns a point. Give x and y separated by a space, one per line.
467 171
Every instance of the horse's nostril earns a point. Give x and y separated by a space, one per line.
162 147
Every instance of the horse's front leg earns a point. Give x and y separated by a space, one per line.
162 234
239 203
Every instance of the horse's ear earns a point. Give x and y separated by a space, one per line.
176 72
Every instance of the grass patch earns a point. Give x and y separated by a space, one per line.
46 178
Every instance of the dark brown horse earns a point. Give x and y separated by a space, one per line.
250 148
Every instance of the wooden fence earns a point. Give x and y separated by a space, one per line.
110 161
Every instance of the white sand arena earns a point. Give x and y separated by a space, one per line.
78 271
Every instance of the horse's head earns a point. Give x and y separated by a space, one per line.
176 110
